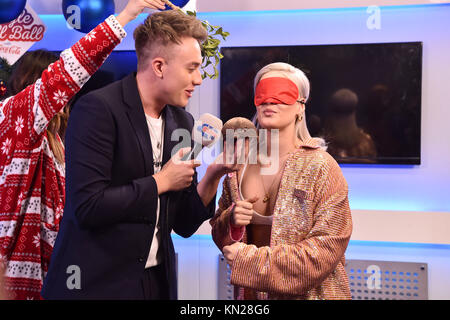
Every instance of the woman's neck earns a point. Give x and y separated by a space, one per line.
286 142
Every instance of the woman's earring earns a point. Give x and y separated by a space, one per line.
298 117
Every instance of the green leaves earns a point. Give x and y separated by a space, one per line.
210 48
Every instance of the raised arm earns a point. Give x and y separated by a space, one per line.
25 116
36 105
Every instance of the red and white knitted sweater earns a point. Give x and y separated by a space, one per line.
32 183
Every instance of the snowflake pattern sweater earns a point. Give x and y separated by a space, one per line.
32 182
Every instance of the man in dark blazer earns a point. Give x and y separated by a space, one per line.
114 197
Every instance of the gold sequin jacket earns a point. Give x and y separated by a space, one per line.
311 229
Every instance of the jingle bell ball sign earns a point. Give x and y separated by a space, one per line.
17 36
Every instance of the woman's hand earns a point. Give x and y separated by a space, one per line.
242 213
135 8
230 252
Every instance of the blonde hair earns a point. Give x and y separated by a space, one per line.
57 127
299 78
3 293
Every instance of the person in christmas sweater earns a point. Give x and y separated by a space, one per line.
32 179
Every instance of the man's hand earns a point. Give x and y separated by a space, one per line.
176 174
208 185
225 163
219 167
135 7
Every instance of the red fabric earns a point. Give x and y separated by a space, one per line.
32 183
276 90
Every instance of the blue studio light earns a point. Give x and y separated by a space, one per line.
324 10
88 13
11 9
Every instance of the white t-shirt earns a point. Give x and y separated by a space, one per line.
156 130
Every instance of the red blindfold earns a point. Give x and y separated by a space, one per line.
276 90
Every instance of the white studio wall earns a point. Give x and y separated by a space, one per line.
405 188
410 203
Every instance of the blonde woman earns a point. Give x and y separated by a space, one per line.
284 234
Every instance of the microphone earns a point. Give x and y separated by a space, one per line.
205 132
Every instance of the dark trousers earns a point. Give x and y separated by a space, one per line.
155 283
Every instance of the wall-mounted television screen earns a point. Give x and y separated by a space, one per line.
365 99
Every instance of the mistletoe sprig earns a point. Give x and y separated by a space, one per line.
210 48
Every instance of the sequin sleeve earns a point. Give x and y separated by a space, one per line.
295 269
220 223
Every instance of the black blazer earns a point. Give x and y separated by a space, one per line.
111 198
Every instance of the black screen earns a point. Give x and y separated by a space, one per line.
365 99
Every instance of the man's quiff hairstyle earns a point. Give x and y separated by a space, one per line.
164 28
